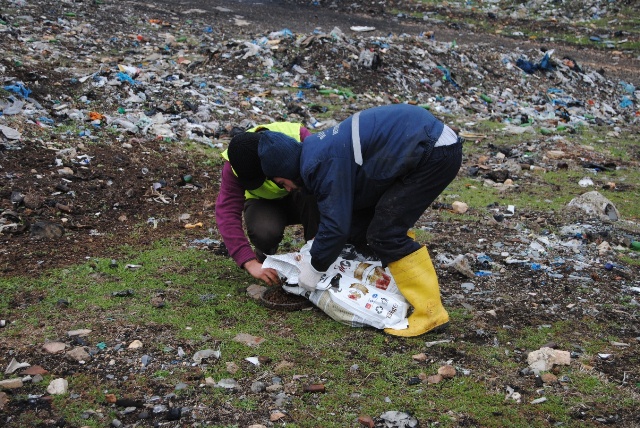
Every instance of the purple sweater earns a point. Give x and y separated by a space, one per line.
229 206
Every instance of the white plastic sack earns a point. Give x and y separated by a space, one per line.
354 292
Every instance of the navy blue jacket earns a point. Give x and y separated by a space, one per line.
393 138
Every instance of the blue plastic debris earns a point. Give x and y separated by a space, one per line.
46 120
124 77
483 273
447 76
626 102
18 89
530 68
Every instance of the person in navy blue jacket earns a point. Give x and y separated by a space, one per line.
373 175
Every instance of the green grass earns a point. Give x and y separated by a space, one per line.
207 305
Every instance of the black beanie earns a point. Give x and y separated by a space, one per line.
279 155
243 156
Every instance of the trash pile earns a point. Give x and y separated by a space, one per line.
184 79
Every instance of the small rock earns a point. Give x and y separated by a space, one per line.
79 333
110 398
174 414
366 420
248 339
276 416
255 291
78 354
256 426
556 154
11 383
227 384
419 357
58 386
399 419
32 201
459 207
549 378
3 400
434 379
275 388
65 172
46 230
136 344
447 372
545 358
258 386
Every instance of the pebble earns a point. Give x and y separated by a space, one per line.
447 372
274 388
276 416
256 291
174 414
549 378
434 379
58 386
80 332
227 384
78 354
136 344
54 347
258 386
366 420
11 383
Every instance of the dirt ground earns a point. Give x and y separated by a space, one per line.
61 208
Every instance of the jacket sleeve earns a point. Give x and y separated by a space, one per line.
229 206
333 184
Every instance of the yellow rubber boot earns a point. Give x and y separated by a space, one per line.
417 281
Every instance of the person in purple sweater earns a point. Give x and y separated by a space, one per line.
266 207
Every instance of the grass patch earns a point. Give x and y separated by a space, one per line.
364 372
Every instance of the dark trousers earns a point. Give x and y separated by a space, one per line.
404 202
266 220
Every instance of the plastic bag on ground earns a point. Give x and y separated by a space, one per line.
357 293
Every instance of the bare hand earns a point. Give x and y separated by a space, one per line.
268 275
